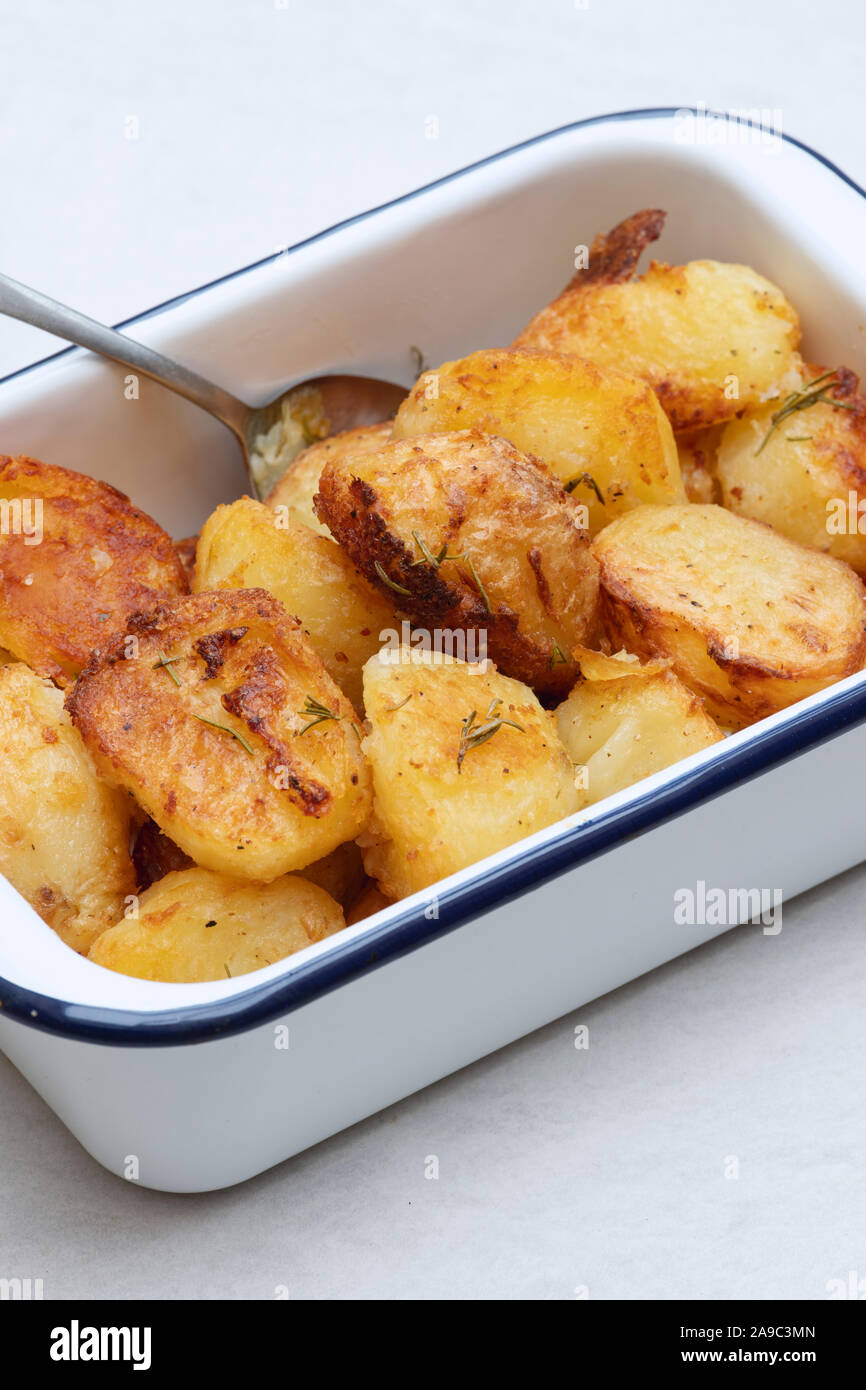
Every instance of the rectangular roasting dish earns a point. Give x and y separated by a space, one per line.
186 1079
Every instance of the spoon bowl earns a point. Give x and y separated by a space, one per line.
304 412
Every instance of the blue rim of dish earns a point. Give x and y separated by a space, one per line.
410 929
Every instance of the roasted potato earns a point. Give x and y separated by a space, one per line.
155 855
370 900
601 433
296 489
247 546
624 721
710 338
76 558
64 834
196 925
470 534
800 465
218 716
340 873
697 450
750 620
464 763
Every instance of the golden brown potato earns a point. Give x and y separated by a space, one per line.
76 558
751 621
296 489
805 474
454 779
709 337
247 546
624 721
470 534
222 721
340 873
196 925
64 834
601 433
370 900
697 450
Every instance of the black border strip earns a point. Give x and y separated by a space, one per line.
407 930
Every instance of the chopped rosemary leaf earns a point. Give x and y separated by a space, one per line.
228 972
316 713
436 560
392 709
813 393
386 579
166 662
584 480
226 729
557 656
472 735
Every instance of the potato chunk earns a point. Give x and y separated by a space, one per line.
222 721
624 721
602 434
710 338
751 621
196 925
298 486
64 834
76 558
247 546
448 791
470 534
806 475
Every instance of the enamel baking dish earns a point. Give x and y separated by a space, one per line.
193 1087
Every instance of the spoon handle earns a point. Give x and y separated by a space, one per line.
19 302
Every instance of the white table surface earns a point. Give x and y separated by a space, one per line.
258 123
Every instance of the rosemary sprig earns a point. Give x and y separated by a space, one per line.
386 579
813 393
226 729
463 559
316 713
472 735
585 480
166 662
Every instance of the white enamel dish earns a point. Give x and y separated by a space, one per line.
193 1087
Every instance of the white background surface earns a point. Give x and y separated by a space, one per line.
559 1169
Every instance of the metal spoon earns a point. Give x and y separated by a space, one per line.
322 405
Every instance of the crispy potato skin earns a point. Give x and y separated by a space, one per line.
483 499
587 424
686 330
751 621
64 834
248 546
697 451
196 925
99 560
432 817
626 728
243 663
299 484
810 473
